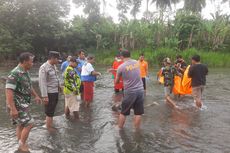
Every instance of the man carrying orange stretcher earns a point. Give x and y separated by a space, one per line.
182 84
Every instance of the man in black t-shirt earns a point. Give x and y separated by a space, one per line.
198 74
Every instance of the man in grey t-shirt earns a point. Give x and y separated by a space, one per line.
133 89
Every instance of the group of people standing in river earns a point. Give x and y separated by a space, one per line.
79 75
181 79
130 75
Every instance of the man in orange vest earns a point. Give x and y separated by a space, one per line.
143 69
117 62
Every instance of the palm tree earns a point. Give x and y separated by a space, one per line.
104 6
91 7
123 6
163 4
146 14
224 1
136 4
194 6
147 5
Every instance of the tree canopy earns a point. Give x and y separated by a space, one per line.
41 25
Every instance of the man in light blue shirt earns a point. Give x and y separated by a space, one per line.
65 64
81 61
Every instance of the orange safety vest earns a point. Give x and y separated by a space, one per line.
143 68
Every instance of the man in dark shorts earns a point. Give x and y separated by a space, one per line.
198 74
49 86
133 89
18 96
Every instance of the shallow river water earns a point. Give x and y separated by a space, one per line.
163 129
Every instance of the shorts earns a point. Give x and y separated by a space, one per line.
197 92
118 86
144 83
50 107
81 88
135 101
24 118
167 91
88 91
72 103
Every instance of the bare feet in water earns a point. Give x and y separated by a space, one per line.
23 148
52 130
198 104
87 104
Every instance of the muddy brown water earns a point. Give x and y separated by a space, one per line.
163 129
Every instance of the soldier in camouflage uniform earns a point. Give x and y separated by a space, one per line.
72 85
18 96
169 71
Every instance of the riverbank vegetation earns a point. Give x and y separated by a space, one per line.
155 57
41 25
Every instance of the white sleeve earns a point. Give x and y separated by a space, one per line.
89 68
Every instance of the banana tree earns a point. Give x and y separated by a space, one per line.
194 6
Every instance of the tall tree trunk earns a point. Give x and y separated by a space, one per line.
126 41
190 38
115 37
161 17
98 39
147 5
132 41
158 38
122 41
97 45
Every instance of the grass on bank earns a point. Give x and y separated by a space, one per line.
155 57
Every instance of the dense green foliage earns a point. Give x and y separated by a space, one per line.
30 25
155 57
40 25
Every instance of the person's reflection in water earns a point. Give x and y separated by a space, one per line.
182 122
116 99
127 143
139 140
86 115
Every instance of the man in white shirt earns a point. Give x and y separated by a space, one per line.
88 77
